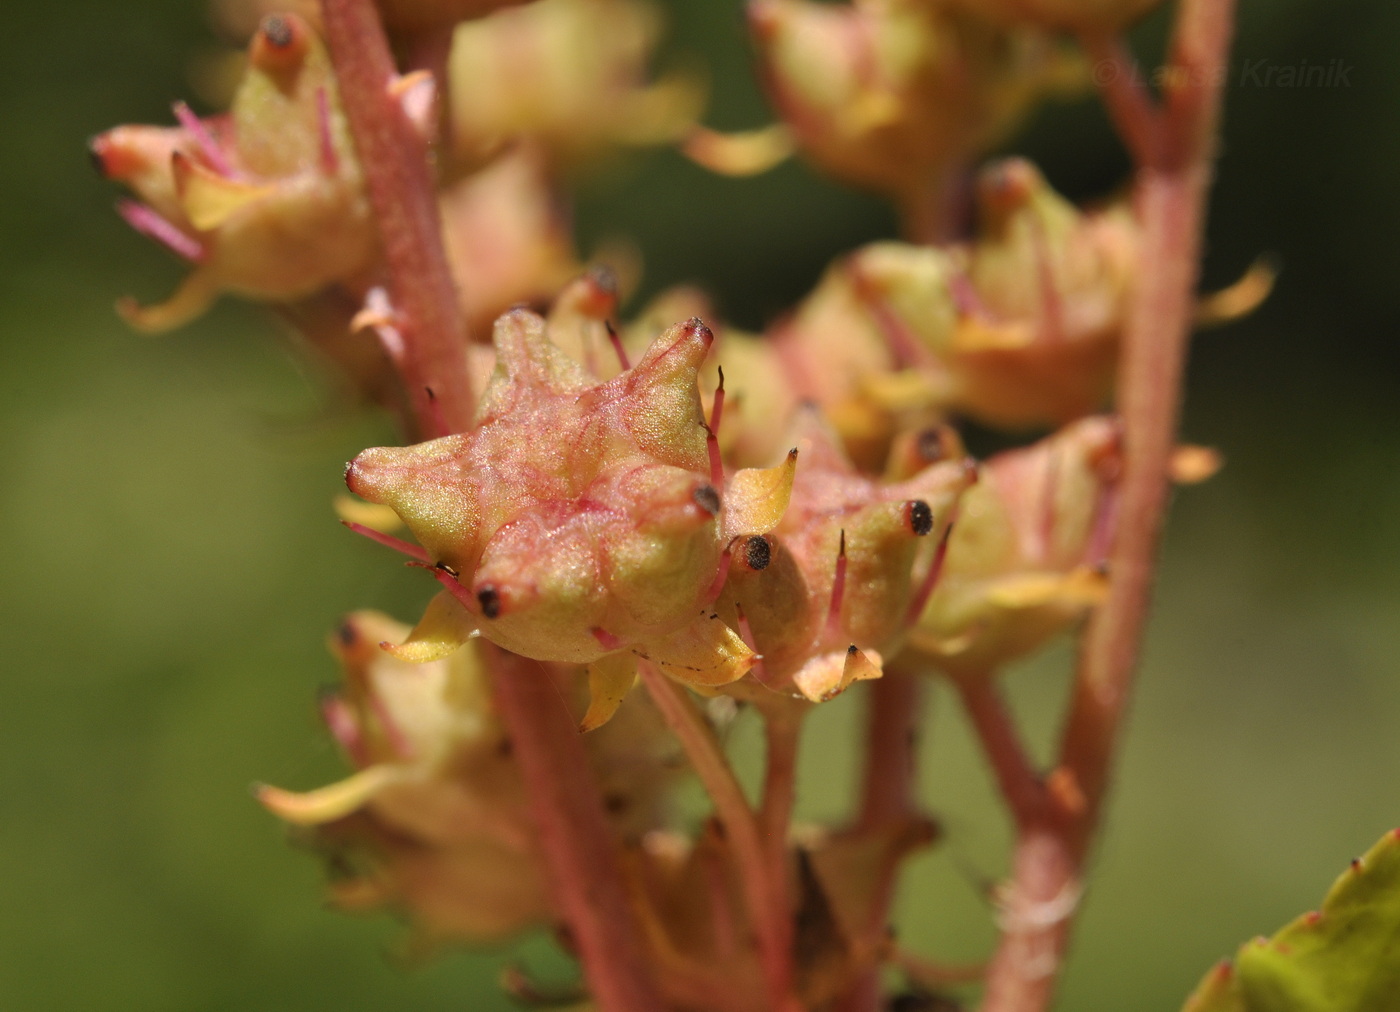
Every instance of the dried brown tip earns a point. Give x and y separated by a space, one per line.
604 278
758 553
931 445
97 151
1007 185
697 326
920 517
707 498
490 600
280 43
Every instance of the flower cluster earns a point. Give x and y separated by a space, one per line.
764 519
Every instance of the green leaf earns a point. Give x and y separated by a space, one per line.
1343 958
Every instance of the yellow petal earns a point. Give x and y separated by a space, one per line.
757 498
1239 299
326 804
1192 465
367 514
208 198
191 299
707 652
906 390
745 153
443 630
1082 587
661 113
609 680
973 335
829 675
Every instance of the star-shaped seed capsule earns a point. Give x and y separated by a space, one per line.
266 201
580 521
830 590
434 821
1042 303
1025 557
894 95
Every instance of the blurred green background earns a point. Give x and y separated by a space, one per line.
170 563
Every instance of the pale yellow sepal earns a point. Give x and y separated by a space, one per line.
210 199
334 801
663 112
906 390
366 514
609 680
190 300
744 153
973 335
443 630
1192 465
757 498
1240 299
1082 587
828 675
706 652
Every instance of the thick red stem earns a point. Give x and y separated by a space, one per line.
567 806
1171 191
399 179
578 847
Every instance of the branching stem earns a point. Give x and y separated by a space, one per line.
1174 173
565 801
1016 776
765 893
889 793
567 807
782 732
394 159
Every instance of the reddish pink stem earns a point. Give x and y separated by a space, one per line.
389 541
838 593
712 435
782 733
1125 95
929 583
578 847
148 222
765 894
1171 190
401 191
574 836
889 795
996 729
203 139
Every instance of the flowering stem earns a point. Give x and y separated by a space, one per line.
888 797
565 801
888 792
782 731
1016 776
1125 95
765 894
400 183
579 852
1172 184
